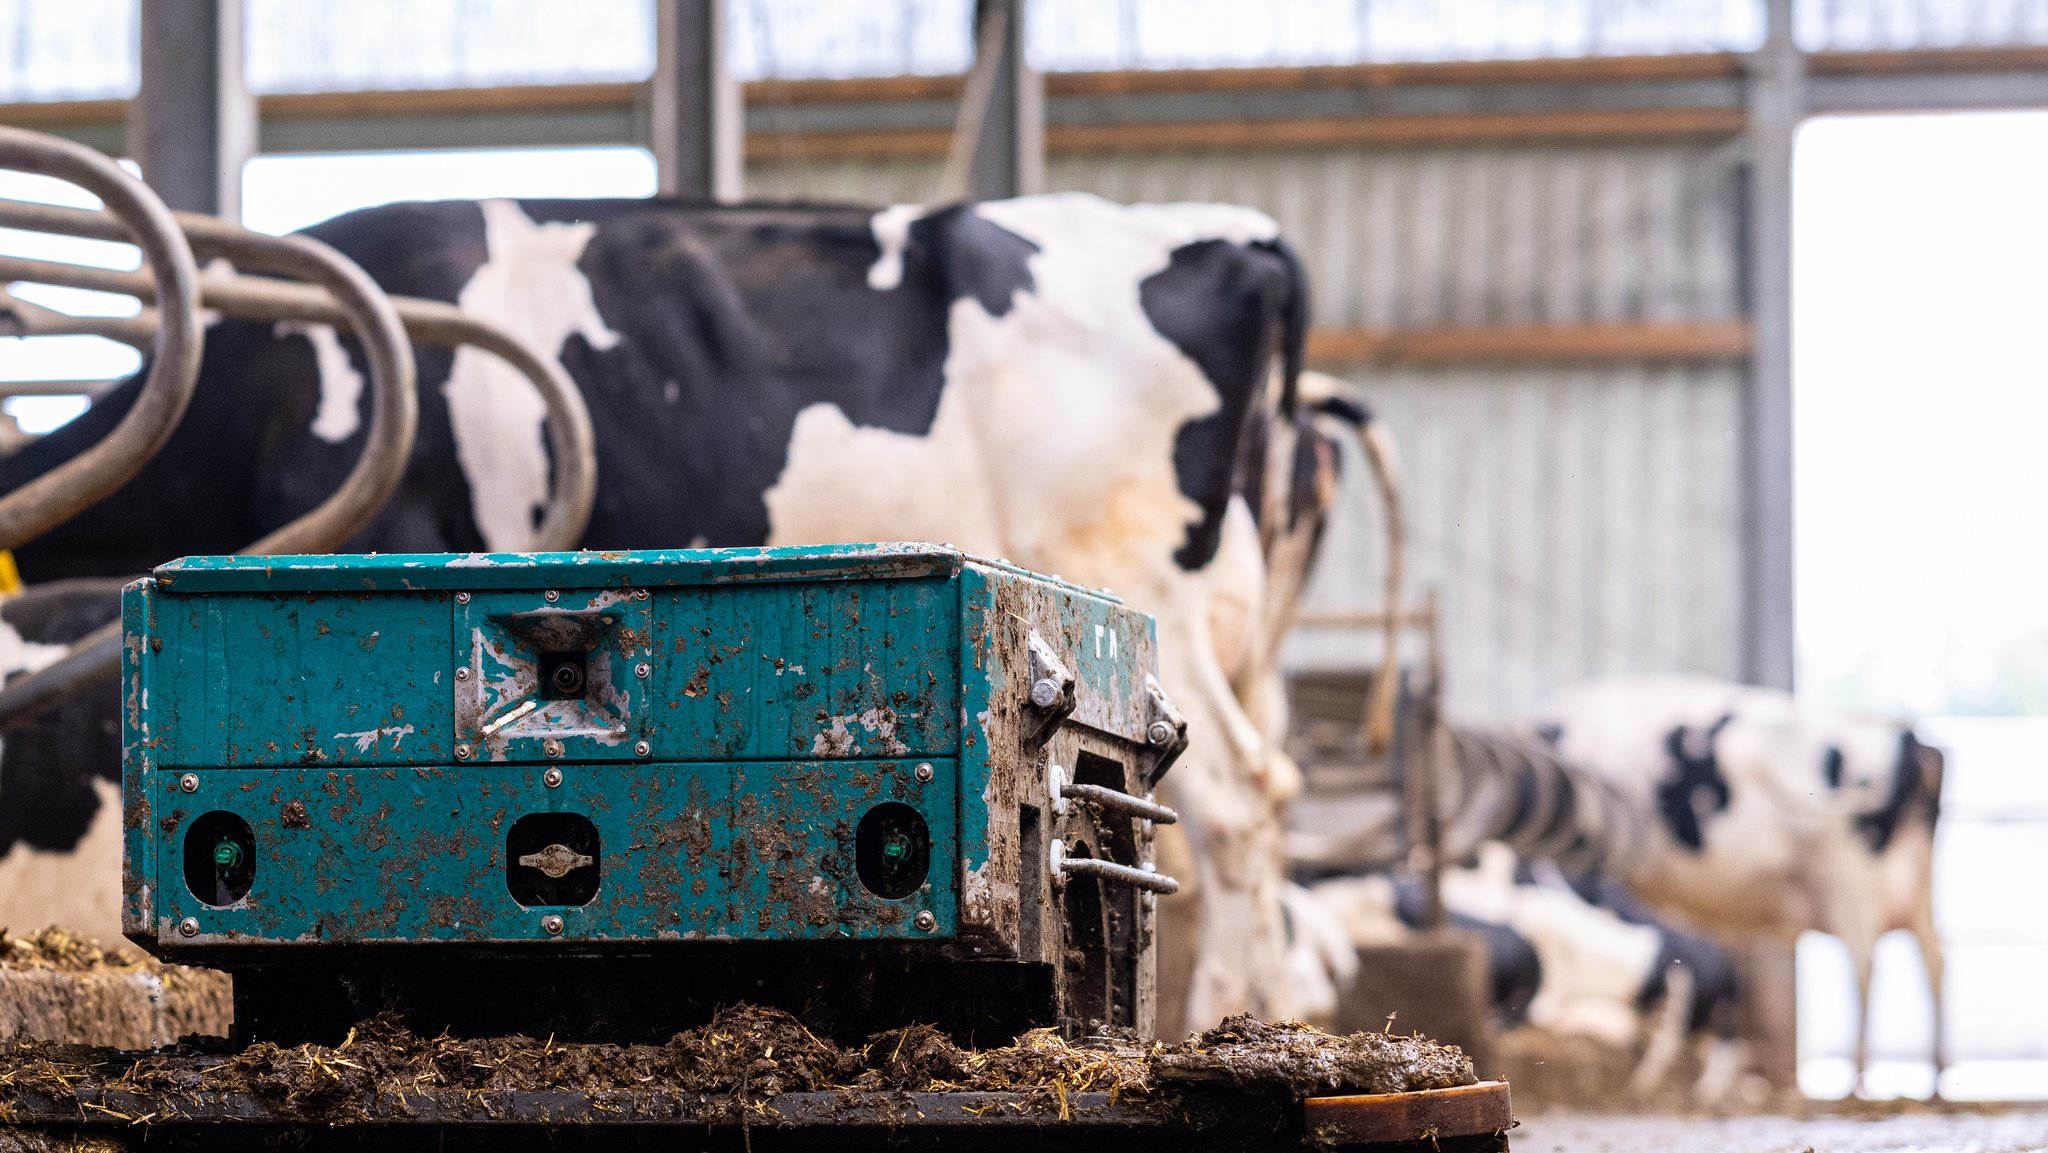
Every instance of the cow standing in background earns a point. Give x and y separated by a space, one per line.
1098 391
1767 820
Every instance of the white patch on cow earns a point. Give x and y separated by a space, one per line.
19 655
1237 586
78 888
529 284
1053 439
671 392
371 738
891 227
25 869
1190 222
341 386
1364 906
1321 960
1594 964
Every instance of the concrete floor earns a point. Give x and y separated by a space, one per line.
2019 1130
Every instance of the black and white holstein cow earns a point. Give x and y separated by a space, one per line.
1099 391
1582 960
1767 820
60 791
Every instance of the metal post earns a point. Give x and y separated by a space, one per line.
193 123
999 139
1776 104
696 115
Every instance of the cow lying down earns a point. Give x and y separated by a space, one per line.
1585 961
1104 392
1764 819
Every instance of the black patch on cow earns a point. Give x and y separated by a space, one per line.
1514 969
1551 734
1230 309
1311 449
981 259
1349 409
1715 985
1712 968
1695 783
1911 792
48 765
1714 980
732 322
1831 767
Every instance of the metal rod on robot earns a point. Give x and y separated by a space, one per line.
1120 802
1130 875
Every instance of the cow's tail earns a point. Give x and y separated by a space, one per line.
1294 313
1327 396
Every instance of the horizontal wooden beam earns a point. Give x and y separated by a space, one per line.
1563 70
1561 124
855 89
55 115
1403 131
451 101
1533 344
1623 126
1924 61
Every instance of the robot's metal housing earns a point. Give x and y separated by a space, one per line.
599 793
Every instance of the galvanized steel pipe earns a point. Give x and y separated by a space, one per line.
1114 873
573 485
86 479
1120 802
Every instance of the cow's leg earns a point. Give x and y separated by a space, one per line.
1722 1060
1862 957
1233 826
1922 928
1667 1035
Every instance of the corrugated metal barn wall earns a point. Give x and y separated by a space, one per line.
1575 519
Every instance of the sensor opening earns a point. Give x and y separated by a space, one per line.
220 858
892 850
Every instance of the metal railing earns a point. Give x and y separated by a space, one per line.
339 293
132 213
573 489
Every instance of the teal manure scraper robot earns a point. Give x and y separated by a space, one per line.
595 795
